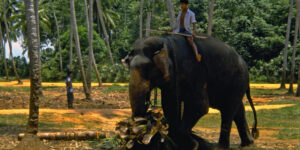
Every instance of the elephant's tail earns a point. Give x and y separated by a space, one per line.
255 132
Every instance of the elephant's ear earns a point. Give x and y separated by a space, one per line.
161 60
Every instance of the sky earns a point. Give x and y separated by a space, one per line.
17 49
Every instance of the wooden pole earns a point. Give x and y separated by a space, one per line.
173 33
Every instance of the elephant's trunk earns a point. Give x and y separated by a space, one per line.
139 93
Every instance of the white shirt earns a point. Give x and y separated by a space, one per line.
188 20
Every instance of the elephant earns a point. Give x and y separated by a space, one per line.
220 80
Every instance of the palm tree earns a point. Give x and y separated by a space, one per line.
100 13
31 140
291 91
90 36
3 51
298 89
9 43
141 18
170 7
149 19
77 43
92 61
71 47
210 18
287 37
58 38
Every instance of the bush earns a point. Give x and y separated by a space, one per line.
114 73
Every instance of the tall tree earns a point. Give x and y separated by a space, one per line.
100 13
170 7
149 19
91 62
9 44
298 89
3 52
31 140
36 11
291 90
77 43
210 17
141 18
58 38
71 48
287 37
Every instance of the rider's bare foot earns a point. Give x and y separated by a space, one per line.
198 57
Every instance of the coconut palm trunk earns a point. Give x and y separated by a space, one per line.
31 141
36 11
3 53
58 38
291 90
71 48
92 62
10 45
141 18
298 89
77 43
171 12
210 17
100 13
287 37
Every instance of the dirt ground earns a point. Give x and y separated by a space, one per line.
108 108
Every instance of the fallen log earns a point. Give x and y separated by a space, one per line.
71 135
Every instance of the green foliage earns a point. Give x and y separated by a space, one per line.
115 73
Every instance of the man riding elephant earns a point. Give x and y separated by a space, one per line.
219 81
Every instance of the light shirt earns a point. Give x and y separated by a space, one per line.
70 89
188 20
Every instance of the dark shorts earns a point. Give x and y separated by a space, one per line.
184 31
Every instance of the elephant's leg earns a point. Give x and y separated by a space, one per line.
194 109
242 126
224 139
170 108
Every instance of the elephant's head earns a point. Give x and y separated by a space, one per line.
149 66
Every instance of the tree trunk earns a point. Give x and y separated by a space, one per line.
4 58
298 89
77 43
210 17
287 37
10 46
291 91
71 48
36 11
92 62
171 14
58 39
148 24
100 13
31 141
141 18
90 38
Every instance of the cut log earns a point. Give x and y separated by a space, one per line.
71 135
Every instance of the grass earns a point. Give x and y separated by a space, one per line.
285 120
268 92
115 88
15 89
